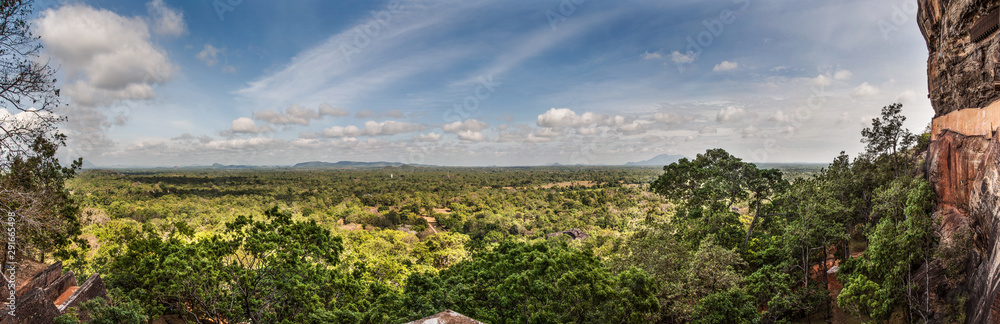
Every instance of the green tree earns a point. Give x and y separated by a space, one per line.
882 279
708 187
31 178
269 271
541 282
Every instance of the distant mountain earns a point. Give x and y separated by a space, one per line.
345 164
659 160
88 165
220 166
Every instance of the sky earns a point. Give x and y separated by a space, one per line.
476 83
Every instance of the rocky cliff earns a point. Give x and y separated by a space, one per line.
962 161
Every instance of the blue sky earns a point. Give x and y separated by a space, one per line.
164 83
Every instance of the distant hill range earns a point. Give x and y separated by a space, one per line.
88 165
659 160
345 165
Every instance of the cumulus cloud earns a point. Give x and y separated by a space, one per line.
563 117
471 136
429 137
557 117
209 55
240 143
779 116
106 57
298 115
587 131
725 66
588 122
652 56
842 75
666 118
534 138
166 21
187 138
372 128
679 58
462 126
730 114
326 109
865 90
635 127
821 81
546 132
244 125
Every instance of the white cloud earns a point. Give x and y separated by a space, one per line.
564 117
779 116
865 90
546 132
587 131
533 138
666 118
429 137
632 128
298 115
842 75
239 143
652 56
326 109
106 57
730 114
166 21
725 66
557 117
244 125
471 136
468 125
373 128
821 81
209 55
679 58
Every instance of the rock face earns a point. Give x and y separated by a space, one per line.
49 294
960 68
446 317
575 233
963 161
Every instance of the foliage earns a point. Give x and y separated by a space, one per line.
101 312
713 239
538 282
707 189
